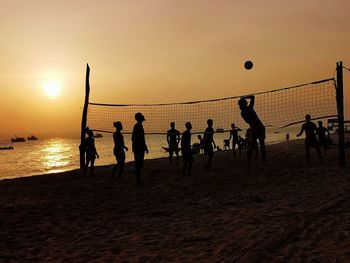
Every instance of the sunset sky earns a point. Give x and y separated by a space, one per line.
158 51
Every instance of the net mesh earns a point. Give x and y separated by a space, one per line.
276 108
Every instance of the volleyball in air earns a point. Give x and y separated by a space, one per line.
248 65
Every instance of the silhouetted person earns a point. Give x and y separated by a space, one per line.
186 149
208 141
310 139
258 129
139 146
91 152
252 144
242 144
201 144
287 137
234 136
323 136
119 148
173 139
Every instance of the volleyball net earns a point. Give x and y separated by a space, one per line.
276 108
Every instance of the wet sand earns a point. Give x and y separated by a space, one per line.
285 211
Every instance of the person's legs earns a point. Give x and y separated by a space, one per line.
121 168
92 167
86 166
171 153
139 156
262 149
234 149
177 156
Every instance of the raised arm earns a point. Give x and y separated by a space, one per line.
252 100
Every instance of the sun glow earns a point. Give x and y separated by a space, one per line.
52 89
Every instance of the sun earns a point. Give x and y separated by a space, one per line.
52 89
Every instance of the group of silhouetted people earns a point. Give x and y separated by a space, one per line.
255 135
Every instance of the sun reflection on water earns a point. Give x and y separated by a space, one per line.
56 155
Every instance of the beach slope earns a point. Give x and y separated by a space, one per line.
285 211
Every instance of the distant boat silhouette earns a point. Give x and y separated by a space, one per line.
6 148
18 139
32 138
98 135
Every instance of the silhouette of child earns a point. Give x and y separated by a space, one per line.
91 152
201 144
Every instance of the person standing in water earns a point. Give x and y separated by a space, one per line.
119 148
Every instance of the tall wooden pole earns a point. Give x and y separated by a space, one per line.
340 105
83 119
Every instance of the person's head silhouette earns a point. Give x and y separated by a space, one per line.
139 117
320 123
118 125
233 125
242 103
188 125
172 125
308 117
210 123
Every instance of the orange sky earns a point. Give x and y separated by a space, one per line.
144 51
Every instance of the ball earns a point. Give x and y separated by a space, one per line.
248 65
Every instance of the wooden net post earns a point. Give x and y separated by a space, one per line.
340 107
83 119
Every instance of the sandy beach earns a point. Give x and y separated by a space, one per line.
285 211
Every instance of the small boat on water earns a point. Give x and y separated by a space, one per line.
6 148
98 135
32 138
18 139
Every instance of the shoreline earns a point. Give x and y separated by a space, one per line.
10 177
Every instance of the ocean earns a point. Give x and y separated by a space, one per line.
53 155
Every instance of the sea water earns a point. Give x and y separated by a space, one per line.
53 155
